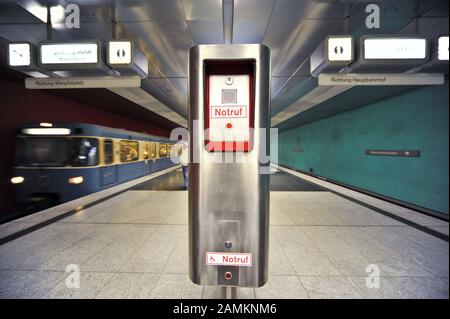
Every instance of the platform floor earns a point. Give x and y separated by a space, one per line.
279 181
134 245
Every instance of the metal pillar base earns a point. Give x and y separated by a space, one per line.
230 292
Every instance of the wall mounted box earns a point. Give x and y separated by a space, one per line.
390 54
21 55
78 58
332 55
439 57
123 56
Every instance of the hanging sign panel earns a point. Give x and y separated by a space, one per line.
83 82
401 153
380 79
378 48
73 55
124 56
19 54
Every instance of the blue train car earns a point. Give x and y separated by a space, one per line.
64 161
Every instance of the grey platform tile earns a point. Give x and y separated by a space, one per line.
91 283
338 215
28 284
279 263
279 212
304 256
80 251
371 217
329 287
282 287
442 229
211 292
423 239
58 210
180 217
44 215
409 214
112 210
434 288
129 286
153 255
117 252
434 261
175 286
146 207
403 288
310 214
11 228
178 260
395 209
35 249
349 261
390 262
314 197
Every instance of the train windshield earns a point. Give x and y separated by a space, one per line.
56 152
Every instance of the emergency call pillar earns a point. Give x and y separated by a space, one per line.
229 125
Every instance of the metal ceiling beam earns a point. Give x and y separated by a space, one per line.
228 17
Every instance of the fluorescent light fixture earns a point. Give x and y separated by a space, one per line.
119 52
36 74
46 131
69 53
17 180
19 54
395 48
75 180
340 49
37 10
57 14
443 49
45 124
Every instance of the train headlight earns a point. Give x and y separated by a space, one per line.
76 180
17 180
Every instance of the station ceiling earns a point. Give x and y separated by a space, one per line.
165 30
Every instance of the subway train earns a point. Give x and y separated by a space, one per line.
56 163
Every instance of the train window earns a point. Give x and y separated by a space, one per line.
109 151
152 150
162 150
43 152
146 151
56 151
83 151
129 151
169 150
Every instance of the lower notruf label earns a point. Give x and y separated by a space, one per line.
229 259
